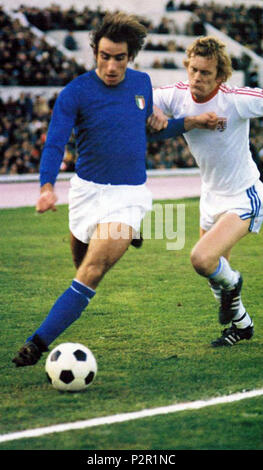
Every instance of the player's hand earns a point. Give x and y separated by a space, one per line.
46 201
157 121
202 121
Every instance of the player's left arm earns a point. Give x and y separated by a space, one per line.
176 127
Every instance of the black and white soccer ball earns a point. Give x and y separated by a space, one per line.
71 367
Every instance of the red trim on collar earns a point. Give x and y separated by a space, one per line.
208 98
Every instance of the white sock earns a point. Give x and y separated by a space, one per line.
224 275
216 289
242 318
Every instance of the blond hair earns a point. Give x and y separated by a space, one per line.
211 47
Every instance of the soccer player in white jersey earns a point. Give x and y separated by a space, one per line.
231 194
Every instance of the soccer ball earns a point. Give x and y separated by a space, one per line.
71 367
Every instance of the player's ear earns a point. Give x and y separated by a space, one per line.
219 80
95 52
186 63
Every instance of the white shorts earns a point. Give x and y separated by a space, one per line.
91 204
247 204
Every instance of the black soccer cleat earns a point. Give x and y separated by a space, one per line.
30 353
230 301
233 335
137 242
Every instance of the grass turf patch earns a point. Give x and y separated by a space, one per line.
150 327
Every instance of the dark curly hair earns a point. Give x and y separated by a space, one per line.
120 27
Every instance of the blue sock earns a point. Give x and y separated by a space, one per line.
65 311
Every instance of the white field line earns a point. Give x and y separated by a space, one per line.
120 418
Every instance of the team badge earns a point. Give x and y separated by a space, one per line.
222 124
140 101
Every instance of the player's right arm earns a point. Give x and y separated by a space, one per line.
59 131
47 199
207 120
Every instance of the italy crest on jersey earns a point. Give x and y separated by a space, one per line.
140 101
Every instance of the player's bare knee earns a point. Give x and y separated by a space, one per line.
201 262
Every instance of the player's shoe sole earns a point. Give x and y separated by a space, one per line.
232 335
230 301
30 353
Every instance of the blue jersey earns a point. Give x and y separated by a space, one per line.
109 125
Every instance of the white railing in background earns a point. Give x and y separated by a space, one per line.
66 176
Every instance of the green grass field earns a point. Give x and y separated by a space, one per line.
150 327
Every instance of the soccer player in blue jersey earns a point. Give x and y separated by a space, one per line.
108 109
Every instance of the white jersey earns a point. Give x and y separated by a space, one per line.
223 156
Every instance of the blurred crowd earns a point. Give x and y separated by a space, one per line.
168 63
29 60
168 46
23 129
54 17
242 23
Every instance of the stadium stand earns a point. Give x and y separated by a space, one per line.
37 61
29 59
242 23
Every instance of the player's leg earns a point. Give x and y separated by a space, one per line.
104 252
224 234
214 286
106 247
211 253
242 325
210 258
78 250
